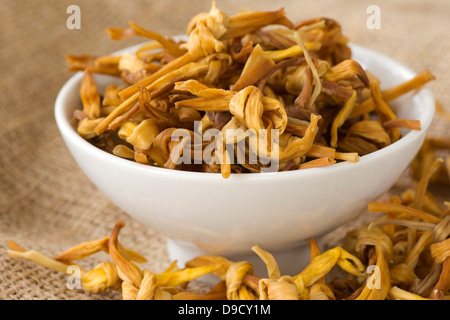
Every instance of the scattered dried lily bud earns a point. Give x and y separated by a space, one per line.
320 291
208 260
272 267
394 266
235 278
396 293
100 278
283 288
16 251
83 250
128 272
323 263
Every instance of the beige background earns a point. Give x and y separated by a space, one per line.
47 204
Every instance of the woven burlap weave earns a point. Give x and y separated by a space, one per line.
46 202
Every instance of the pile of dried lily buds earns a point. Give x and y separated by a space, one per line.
252 71
402 255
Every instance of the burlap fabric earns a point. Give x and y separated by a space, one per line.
46 202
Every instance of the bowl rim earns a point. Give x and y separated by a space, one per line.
69 132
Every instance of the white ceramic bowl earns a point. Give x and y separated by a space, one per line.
205 213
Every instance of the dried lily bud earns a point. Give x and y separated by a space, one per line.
440 250
218 292
177 277
341 117
83 250
235 278
396 293
293 51
374 237
100 278
377 285
131 63
126 129
298 147
323 263
111 96
443 285
127 271
370 130
202 41
248 108
441 231
209 260
169 45
349 71
17 251
89 96
385 113
102 65
250 21
283 288
162 85
164 143
358 145
402 274
272 267
86 127
272 39
210 99
395 92
123 151
143 134
328 33
320 291
276 113
141 158
256 67
189 115
316 163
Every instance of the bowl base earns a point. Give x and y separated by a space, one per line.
290 261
